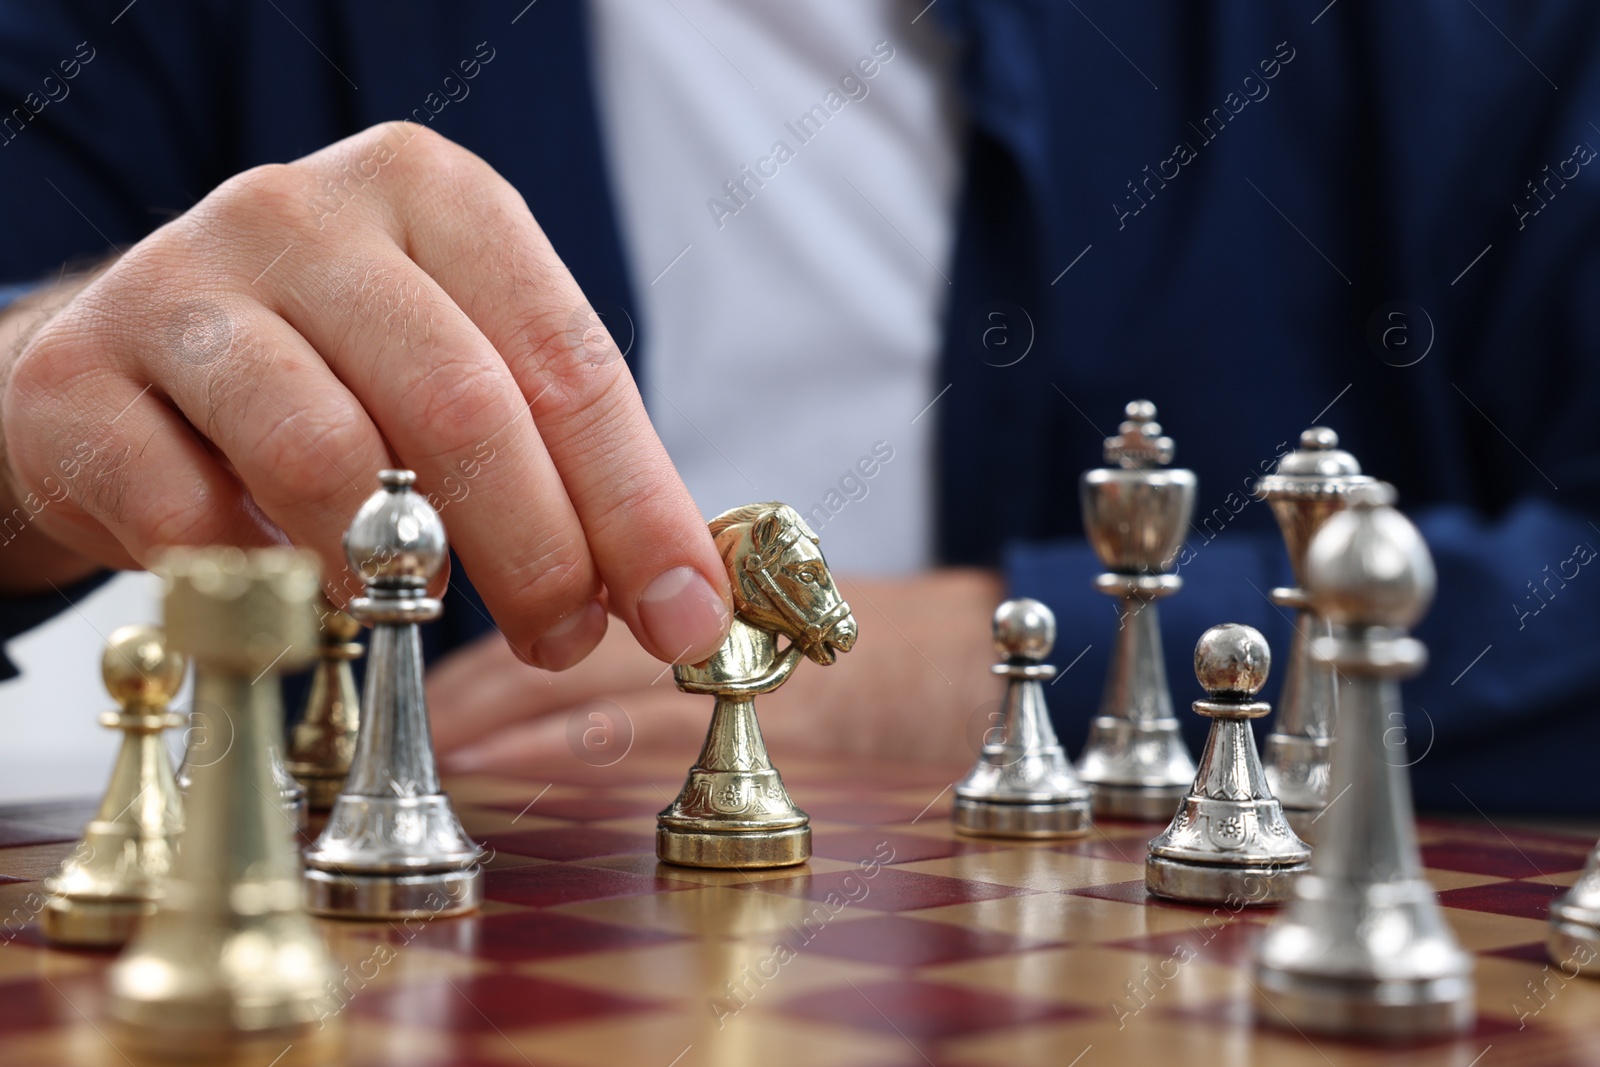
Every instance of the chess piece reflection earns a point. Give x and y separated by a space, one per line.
1229 843
1363 947
114 877
1022 784
324 742
1136 513
1308 488
393 847
230 960
1573 942
733 810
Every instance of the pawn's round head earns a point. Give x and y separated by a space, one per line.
1232 661
139 669
1024 629
1369 566
396 540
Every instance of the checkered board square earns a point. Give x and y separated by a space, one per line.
899 943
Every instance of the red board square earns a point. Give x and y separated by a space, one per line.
1135 892
34 1004
523 935
490 1002
1503 859
1219 939
1527 900
570 842
887 890
545 884
878 846
1532 952
923 1010
894 940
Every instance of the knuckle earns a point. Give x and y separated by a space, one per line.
564 382
460 402
272 196
557 579
301 453
183 515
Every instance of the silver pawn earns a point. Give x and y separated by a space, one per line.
1136 514
1574 938
1363 947
1022 784
1229 842
393 846
1308 488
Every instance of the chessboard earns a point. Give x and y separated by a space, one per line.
899 943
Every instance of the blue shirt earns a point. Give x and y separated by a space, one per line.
1379 217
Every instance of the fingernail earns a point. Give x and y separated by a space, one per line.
682 615
569 639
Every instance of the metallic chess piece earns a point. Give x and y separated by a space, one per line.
1363 947
1574 938
733 810
1308 487
324 742
114 877
1022 784
230 959
1136 513
393 846
1229 842
209 734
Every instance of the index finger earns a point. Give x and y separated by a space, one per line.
471 232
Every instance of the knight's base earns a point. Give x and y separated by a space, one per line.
732 850
982 818
1145 803
1377 1010
432 895
1215 883
1574 947
84 923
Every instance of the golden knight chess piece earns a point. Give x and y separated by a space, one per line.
113 878
733 811
230 964
324 742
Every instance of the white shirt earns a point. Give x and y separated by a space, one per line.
785 174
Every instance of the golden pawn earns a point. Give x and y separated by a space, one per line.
114 876
230 967
325 740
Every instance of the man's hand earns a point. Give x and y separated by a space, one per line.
240 375
916 688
